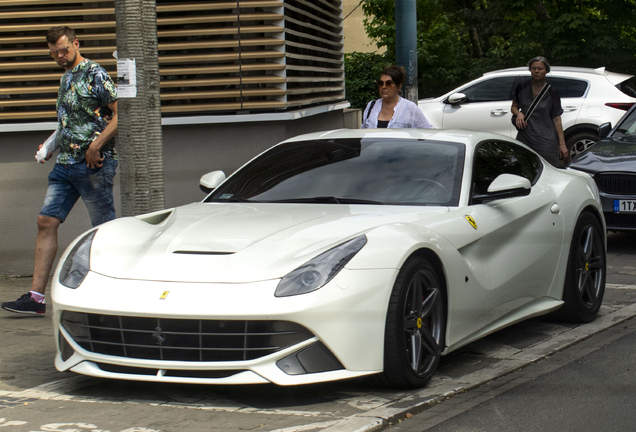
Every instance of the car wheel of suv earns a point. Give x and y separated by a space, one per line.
580 142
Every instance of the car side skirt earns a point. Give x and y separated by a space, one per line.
532 309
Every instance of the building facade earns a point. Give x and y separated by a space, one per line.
236 77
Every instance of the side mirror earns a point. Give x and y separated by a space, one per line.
504 186
211 181
604 130
457 98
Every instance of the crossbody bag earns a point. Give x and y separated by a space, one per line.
370 108
533 105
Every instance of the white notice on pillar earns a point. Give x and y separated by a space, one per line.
126 78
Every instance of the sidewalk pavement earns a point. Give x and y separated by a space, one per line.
30 384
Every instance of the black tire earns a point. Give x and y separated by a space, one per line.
585 274
415 326
579 142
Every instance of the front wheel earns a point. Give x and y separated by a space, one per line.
585 274
415 326
580 142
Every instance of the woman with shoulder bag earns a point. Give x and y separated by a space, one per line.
536 109
391 110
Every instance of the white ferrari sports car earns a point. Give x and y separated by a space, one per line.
334 255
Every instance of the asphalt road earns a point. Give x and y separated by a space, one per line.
587 387
530 376
621 258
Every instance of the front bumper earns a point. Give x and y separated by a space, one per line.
341 329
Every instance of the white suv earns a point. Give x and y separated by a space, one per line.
589 97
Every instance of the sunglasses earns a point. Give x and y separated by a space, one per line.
387 83
57 52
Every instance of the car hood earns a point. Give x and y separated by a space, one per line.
426 100
234 243
611 154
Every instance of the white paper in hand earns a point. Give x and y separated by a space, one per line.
49 146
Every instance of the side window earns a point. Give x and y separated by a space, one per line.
494 158
567 87
495 89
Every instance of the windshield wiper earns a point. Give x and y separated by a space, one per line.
328 200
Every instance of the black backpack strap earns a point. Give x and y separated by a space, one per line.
370 108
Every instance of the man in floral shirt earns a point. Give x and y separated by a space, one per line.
87 125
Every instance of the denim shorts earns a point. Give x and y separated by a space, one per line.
67 183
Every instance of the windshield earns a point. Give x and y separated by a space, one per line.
350 171
628 125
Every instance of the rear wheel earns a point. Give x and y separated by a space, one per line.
415 326
585 274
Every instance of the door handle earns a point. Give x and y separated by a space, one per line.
569 108
499 112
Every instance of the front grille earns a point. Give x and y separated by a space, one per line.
617 184
181 339
620 221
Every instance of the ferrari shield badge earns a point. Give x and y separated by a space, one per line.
471 221
164 295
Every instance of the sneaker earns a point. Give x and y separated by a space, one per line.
26 305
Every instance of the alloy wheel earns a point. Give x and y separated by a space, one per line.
423 315
590 267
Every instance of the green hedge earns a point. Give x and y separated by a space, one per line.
362 70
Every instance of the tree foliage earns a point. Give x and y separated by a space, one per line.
460 39
361 72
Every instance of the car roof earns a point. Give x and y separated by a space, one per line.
613 77
469 138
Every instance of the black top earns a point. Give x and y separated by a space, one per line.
540 134
383 123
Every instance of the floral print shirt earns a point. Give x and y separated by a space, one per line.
82 111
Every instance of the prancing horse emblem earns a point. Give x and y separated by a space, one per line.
158 336
471 221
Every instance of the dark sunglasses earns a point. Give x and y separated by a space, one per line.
57 52
387 83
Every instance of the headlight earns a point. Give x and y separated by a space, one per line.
317 272
77 263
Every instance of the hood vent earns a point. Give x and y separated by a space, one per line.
155 218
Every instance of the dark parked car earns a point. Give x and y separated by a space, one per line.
612 163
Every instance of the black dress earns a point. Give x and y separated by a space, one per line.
540 134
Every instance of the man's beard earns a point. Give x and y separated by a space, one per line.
69 62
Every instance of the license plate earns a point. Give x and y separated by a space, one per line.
624 206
